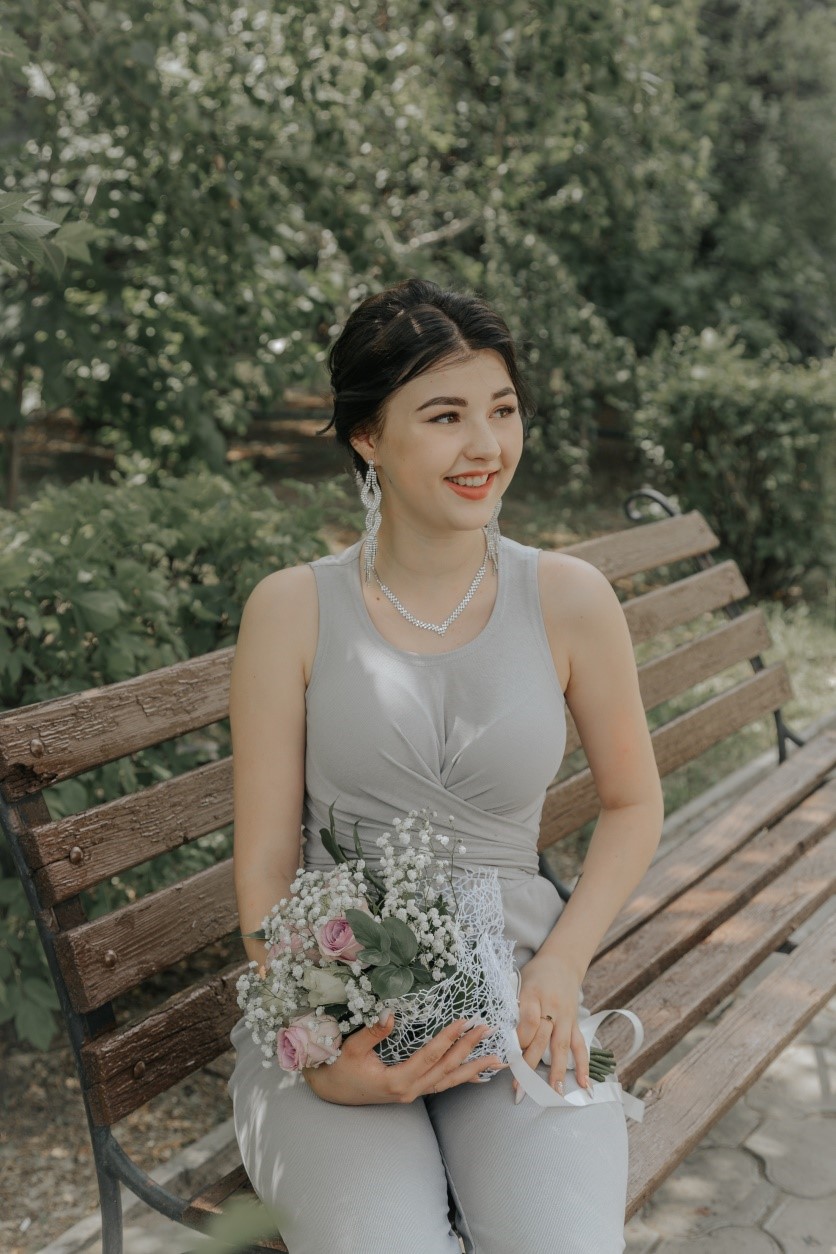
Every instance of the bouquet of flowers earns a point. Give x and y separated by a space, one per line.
410 937
351 942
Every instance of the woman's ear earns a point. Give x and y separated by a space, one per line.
362 445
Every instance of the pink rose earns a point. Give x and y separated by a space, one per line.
336 940
310 1039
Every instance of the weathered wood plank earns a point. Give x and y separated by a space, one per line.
570 803
762 805
684 994
669 675
701 1087
130 1065
634 549
113 953
52 740
232 1187
630 966
81 850
673 604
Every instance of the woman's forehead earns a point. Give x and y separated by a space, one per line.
481 372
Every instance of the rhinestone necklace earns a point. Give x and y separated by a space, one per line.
438 628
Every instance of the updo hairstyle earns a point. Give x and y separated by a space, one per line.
397 334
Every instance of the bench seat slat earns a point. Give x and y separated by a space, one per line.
115 952
693 986
765 803
703 1085
572 802
131 1064
233 1186
628 967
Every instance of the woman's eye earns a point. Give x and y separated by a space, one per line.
508 409
441 417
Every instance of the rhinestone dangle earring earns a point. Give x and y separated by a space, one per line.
370 495
492 535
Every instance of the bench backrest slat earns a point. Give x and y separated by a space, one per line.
635 549
81 850
65 736
114 953
575 800
134 1063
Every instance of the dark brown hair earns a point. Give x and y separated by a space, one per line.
395 335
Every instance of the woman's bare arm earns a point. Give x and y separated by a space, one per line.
583 617
270 672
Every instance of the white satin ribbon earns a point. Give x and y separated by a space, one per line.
602 1090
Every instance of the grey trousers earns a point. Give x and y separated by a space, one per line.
373 1179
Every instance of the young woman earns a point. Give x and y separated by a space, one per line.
429 665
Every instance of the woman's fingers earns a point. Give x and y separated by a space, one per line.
581 1056
533 1054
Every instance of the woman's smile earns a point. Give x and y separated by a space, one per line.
472 487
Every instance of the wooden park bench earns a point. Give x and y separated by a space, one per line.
704 916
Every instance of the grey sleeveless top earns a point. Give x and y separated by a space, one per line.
477 732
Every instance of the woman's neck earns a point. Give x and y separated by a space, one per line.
412 558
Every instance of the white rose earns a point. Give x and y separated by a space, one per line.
325 988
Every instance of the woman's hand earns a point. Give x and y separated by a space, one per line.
360 1077
550 986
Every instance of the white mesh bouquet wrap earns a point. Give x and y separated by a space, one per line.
483 984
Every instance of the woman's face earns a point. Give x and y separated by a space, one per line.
459 421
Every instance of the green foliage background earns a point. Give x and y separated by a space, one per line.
603 172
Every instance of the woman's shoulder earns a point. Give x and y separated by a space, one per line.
284 587
578 601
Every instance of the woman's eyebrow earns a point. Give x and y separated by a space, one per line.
460 401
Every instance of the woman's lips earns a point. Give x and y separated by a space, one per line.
473 494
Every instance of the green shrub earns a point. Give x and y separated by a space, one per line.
747 441
100 582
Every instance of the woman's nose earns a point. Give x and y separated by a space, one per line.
482 442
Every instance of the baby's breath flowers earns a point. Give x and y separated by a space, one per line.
349 940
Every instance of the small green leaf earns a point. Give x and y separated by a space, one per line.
368 931
329 838
34 1024
374 957
41 993
404 940
392 981
423 978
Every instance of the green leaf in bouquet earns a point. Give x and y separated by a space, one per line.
373 957
368 931
404 940
392 981
329 838
423 977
